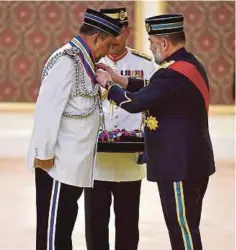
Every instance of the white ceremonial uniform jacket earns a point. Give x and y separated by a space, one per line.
123 166
71 141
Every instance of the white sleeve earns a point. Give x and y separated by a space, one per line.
53 97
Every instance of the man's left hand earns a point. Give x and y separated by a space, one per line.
44 164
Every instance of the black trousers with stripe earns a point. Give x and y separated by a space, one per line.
56 212
182 206
97 214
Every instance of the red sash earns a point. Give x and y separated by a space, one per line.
191 72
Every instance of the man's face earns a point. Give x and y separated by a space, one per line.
157 48
120 41
102 46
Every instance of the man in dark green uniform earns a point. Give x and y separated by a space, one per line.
178 145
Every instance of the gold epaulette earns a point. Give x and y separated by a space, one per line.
165 65
140 54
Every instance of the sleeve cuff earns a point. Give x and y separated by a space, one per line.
43 156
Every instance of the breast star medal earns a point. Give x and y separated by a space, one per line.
151 122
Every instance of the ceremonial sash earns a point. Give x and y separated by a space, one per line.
85 56
190 71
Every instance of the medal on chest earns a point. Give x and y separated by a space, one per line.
137 74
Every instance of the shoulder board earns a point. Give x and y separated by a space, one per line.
140 54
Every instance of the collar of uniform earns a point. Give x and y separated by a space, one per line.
116 58
179 54
85 45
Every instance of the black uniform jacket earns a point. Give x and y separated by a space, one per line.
178 144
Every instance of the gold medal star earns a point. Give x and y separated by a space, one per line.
151 122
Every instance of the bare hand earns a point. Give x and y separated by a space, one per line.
102 77
44 164
115 77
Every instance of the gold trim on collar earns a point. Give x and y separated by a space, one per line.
165 65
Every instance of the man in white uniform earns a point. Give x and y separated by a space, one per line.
66 124
118 174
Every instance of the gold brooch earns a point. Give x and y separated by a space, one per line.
151 122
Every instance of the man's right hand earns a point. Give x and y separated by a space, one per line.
116 77
44 164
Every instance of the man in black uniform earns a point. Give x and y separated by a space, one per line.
178 145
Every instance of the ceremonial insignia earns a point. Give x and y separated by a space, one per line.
122 15
138 74
119 14
165 65
151 122
148 27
